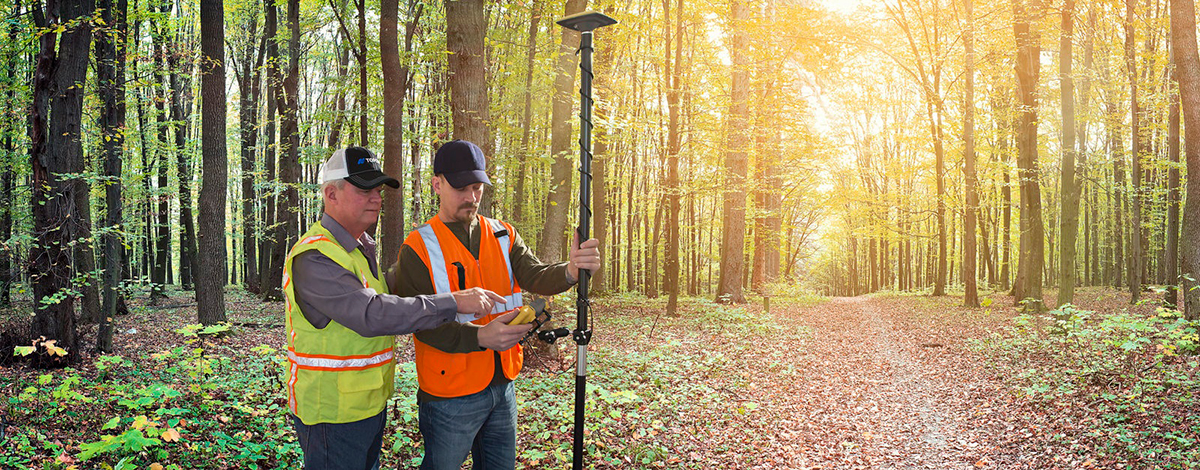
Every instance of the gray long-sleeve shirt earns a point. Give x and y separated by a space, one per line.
325 291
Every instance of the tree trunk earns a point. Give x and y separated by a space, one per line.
10 124
1187 69
272 252
1069 223
286 215
558 200
729 289
162 233
110 85
249 90
1030 264
362 71
55 148
210 275
392 219
524 157
1134 277
672 78
1171 274
971 293
465 29
181 90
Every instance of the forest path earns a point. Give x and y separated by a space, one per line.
888 383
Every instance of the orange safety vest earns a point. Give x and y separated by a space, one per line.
452 268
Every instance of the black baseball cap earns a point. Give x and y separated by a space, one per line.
358 166
462 163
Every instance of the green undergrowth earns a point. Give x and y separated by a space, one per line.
200 404
1132 376
205 397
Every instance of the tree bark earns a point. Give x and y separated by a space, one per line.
672 78
7 176
1069 223
270 254
465 29
729 286
1187 66
971 292
210 279
1032 249
249 89
181 92
162 233
558 200
110 84
1134 276
362 72
286 213
54 134
395 88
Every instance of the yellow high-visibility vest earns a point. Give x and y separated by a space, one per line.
335 375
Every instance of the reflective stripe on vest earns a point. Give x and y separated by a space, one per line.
441 279
515 300
339 363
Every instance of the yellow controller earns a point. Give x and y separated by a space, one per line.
525 314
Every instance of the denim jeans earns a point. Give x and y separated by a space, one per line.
342 445
483 423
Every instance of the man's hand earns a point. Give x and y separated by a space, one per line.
476 301
585 256
498 335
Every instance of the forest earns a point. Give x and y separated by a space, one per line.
869 233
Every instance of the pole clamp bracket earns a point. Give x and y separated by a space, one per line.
582 337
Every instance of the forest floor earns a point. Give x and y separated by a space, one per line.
880 381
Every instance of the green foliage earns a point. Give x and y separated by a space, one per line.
1132 368
194 410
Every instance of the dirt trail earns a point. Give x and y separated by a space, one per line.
884 384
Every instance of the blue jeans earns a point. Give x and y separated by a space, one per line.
483 423
341 445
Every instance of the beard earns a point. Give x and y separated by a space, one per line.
466 213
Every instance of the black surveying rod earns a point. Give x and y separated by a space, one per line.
584 23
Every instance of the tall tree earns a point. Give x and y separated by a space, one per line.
181 100
10 123
362 74
210 279
558 199
466 26
971 294
729 287
535 17
928 75
54 135
395 87
249 90
288 203
1187 66
672 78
1069 221
110 84
1171 296
1032 247
272 250
1134 276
